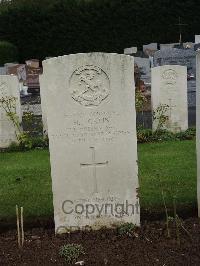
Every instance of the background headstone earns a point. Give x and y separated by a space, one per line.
130 51
144 67
169 87
150 49
197 39
197 47
9 87
183 57
90 107
164 46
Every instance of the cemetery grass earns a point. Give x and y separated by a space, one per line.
168 166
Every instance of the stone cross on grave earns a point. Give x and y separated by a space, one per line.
180 25
170 107
94 166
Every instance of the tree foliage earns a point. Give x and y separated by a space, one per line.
8 52
41 28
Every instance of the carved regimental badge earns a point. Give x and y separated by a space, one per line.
170 76
89 85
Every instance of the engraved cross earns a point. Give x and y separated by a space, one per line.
94 165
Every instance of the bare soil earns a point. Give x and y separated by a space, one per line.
147 245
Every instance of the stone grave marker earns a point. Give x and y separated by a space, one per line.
169 88
90 109
9 89
130 50
183 57
197 39
145 70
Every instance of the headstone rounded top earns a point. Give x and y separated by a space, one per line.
169 67
92 54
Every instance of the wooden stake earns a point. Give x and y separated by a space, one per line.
22 225
18 229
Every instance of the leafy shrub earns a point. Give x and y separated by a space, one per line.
160 116
147 135
8 52
190 133
144 135
71 252
14 146
27 143
32 124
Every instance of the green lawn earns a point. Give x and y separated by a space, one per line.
170 166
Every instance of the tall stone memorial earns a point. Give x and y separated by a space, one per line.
90 108
198 128
169 91
9 90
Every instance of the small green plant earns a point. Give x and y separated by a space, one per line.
159 115
26 139
33 126
176 221
140 100
71 252
147 135
126 229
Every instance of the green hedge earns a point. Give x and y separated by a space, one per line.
41 28
8 53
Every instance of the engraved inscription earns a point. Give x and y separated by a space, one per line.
95 126
169 77
94 165
89 85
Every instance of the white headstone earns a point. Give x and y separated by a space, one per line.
91 118
168 45
198 129
150 49
169 87
9 87
130 51
151 46
197 39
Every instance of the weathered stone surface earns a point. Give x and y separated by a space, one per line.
197 39
9 87
145 70
90 108
130 50
169 87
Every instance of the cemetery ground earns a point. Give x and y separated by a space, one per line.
167 171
